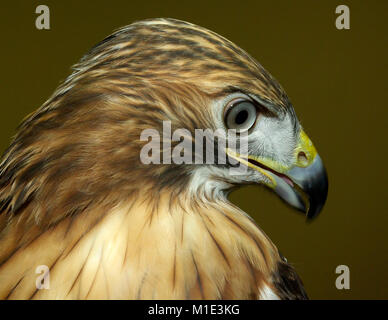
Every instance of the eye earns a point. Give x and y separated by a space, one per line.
240 115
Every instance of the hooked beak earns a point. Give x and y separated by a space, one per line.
304 185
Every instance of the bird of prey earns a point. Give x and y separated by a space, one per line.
76 199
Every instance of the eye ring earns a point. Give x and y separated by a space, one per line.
240 115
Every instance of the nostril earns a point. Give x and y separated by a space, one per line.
302 158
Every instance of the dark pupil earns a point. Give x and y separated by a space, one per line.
241 117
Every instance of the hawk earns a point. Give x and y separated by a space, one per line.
76 198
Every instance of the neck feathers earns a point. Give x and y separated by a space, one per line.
173 247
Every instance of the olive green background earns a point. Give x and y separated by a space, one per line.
336 79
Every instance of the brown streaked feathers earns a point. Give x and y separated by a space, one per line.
74 195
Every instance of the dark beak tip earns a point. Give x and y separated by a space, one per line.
310 217
314 211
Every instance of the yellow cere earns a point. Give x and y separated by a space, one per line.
305 145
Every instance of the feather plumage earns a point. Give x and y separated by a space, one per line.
75 197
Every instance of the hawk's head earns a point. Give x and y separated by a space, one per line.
87 135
